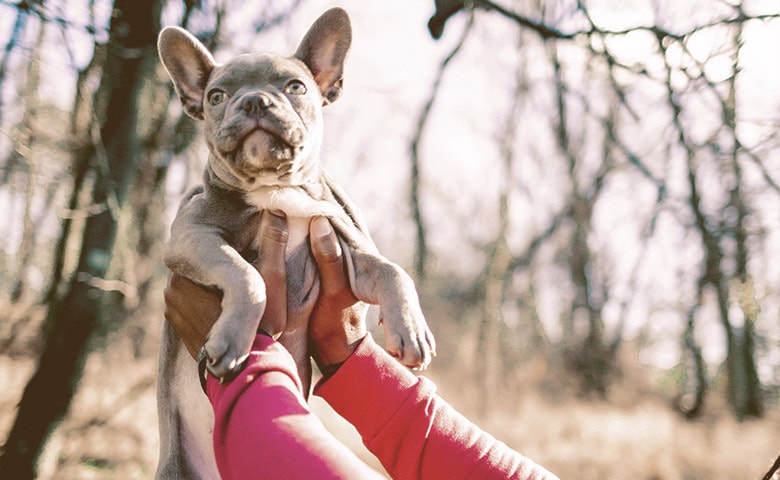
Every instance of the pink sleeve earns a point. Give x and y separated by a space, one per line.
413 432
263 427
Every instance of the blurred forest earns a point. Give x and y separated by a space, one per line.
587 193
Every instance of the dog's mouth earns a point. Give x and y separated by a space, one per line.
261 151
278 138
265 154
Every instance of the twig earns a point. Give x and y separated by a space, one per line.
39 10
545 31
773 469
548 32
524 260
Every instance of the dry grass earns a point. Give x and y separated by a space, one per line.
587 440
634 434
111 430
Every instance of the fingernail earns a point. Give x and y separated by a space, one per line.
277 213
320 227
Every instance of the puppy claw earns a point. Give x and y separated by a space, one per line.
228 343
226 369
224 361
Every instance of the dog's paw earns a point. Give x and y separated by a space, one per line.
225 359
228 344
408 338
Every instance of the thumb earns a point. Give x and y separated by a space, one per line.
271 265
273 243
329 256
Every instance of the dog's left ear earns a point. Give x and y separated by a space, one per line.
324 50
189 65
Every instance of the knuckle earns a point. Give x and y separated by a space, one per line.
276 234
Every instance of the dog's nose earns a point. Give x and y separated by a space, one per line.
254 103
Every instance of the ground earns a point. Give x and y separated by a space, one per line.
111 429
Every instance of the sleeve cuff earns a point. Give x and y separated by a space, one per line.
265 355
369 386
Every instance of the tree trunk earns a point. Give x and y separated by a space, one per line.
81 127
499 258
750 403
415 181
27 139
691 406
590 357
74 318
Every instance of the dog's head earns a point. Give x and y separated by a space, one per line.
262 112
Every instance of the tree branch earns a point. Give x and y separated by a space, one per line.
421 252
548 32
772 470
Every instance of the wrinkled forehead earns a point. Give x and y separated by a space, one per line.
258 68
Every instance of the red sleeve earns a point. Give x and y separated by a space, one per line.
263 427
413 432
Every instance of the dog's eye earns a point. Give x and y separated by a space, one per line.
295 87
216 97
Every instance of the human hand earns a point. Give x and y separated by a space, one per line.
337 323
192 309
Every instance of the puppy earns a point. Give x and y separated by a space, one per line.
262 120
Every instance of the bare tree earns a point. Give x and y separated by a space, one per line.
27 132
74 317
725 234
743 387
499 255
421 255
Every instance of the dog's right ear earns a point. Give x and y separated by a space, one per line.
189 65
324 50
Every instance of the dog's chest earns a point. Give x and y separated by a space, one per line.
298 206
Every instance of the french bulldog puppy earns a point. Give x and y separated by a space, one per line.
262 121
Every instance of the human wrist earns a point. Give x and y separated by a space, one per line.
332 351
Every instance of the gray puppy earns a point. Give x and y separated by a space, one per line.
262 119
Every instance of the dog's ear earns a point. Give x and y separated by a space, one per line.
189 65
324 50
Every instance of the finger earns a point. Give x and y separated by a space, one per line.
306 290
271 265
273 244
329 256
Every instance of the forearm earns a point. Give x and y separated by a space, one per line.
263 426
413 432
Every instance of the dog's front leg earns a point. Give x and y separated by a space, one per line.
200 253
376 280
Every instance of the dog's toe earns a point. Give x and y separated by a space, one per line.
419 357
411 351
223 361
226 368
